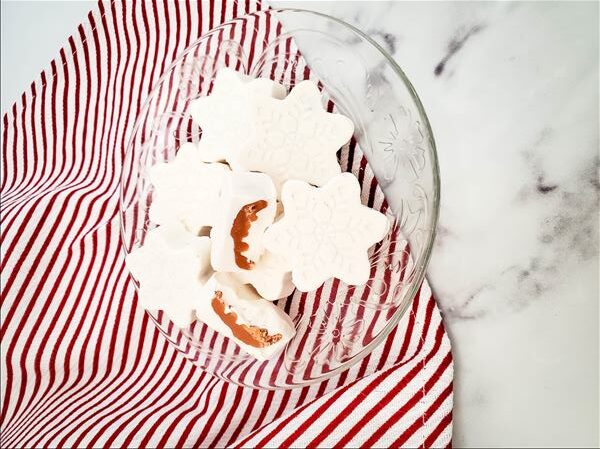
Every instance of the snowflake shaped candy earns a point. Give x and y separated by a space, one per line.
225 116
171 267
187 189
293 138
326 232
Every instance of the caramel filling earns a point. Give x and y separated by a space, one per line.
251 335
240 229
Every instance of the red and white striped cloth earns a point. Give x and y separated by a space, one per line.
82 364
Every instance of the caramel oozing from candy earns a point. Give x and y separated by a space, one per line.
240 229
251 335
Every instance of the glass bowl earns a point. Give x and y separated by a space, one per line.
338 325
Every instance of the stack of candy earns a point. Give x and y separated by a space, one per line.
259 207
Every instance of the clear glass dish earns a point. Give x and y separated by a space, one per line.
338 325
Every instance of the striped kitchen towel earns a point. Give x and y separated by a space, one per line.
82 363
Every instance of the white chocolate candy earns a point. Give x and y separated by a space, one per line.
270 276
293 138
171 268
326 232
236 311
225 114
187 189
247 206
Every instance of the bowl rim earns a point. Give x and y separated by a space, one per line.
420 266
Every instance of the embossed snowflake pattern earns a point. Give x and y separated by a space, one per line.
326 232
227 116
186 189
170 267
336 331
294 138
403 145
389 278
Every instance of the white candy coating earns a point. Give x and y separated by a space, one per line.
226 115
187 189
293 138
271 277
275 145
171 268
251 310
241 189
326 232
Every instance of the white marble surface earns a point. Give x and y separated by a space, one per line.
511 90
514 110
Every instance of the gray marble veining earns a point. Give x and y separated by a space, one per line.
511 90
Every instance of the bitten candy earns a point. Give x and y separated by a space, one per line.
186 189
225 115
293 138
326 232
171 268
247 206
270 276
236 311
